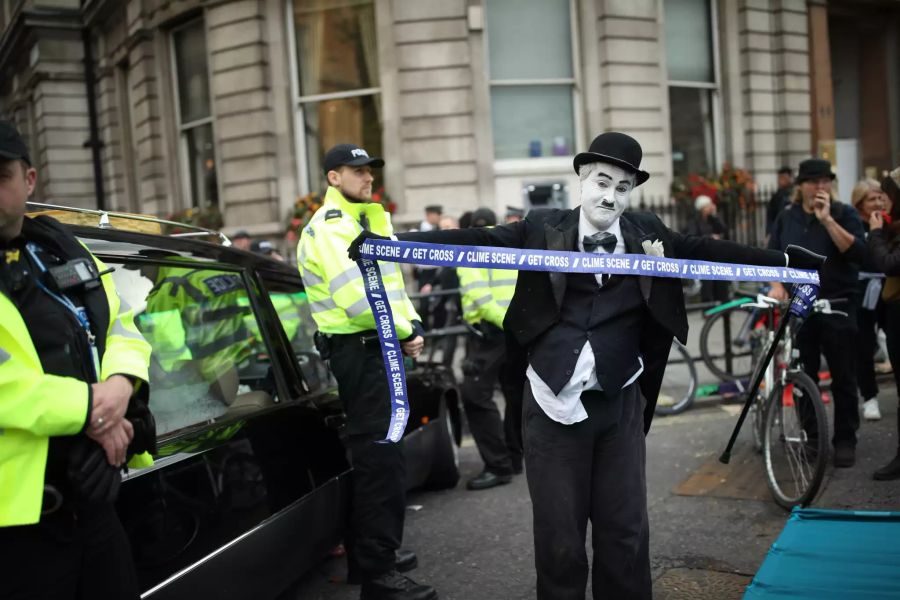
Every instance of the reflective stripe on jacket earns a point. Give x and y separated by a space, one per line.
333 282
486 293
35 406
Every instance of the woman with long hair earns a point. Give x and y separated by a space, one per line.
868 197
884 245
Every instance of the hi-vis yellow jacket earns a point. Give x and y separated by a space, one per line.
333 282
35 406
486 293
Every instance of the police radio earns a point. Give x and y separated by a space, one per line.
75 273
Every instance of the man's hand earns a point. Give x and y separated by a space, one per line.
876 220
353 250
822 205
110 401
777 292
413 348
114 441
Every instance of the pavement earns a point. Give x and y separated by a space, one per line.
711 525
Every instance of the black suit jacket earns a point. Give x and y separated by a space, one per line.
535 307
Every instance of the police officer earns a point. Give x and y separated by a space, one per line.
73 373
486 294
347 337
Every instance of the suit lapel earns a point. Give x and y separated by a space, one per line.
634 236
561 237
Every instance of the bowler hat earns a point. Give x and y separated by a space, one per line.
814 168
618 149
484 217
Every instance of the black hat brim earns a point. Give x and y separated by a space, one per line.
14 156
584 158
363 161
800 179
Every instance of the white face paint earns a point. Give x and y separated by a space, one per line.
605 192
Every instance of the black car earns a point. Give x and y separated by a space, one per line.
250 485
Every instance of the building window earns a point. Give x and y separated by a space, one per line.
337 93
194 114
532 77
693 85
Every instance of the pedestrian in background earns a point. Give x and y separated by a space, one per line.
707 224
241 240
867 198
781 199
832 229
884 243
348 340
73 404
486 294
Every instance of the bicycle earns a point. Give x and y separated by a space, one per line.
735 363
678 388
790 422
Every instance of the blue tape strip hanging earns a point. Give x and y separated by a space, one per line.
390 347
523 260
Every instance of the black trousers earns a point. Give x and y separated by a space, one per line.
68 558
867 323
378 503
835 337
512 383
485 357
892 333
594 469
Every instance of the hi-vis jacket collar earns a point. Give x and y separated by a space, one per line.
375 213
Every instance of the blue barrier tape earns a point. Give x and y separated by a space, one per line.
421 253
390 348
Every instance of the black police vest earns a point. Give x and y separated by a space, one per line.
610 317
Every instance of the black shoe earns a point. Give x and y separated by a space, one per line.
890 471
487 480
394 586
844 455
406 561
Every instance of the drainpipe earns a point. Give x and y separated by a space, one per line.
94 143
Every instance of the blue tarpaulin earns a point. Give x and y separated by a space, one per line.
832 555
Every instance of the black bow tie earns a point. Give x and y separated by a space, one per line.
603 239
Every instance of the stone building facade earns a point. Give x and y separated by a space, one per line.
229 103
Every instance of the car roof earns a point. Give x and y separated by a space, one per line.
109 241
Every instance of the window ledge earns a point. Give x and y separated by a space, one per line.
532 166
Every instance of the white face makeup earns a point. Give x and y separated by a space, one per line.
605 192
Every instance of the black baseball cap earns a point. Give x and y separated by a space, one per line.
12 146
350 155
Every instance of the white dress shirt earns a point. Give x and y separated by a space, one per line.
566 407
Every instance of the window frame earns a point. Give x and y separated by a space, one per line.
297 101
714 87
541 163
184 129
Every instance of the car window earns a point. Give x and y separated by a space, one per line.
209 361
292 307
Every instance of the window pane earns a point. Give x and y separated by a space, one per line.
193 75
689 40
202 165
529 39
208 361
336 48
293 312
532 120
691 121
348 120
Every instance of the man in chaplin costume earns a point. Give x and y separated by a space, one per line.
597 348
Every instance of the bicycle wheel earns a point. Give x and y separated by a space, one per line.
795 441
679 384
741 339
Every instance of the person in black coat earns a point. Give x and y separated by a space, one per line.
597 348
